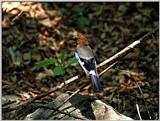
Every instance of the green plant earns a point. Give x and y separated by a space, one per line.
61 11
81 19
60 66
78 11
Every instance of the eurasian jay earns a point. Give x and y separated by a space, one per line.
86 59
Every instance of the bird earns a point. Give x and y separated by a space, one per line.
86 59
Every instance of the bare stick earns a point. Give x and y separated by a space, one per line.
108 68
16 18
128 48
66 100
73 94
8 103
138 111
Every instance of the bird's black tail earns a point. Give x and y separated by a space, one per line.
95 83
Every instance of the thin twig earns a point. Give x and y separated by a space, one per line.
16 17
143 100
128 48
38 105
66 100
66 113
108 68
8 103
138 112
73 94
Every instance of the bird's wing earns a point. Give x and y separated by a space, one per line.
86 59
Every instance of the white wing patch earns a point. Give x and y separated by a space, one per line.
82 64
77 57
92 72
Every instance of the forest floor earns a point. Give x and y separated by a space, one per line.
34 31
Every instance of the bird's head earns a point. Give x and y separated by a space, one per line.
78 38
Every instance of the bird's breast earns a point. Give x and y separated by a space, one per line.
85 52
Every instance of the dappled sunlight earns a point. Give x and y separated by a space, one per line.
48 18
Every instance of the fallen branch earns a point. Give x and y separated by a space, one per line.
117 55
8 109
128 48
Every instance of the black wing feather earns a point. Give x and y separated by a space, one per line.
89 64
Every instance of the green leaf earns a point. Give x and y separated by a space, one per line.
83 21
61 11
63 54
59 70
45 62
12 54
78 9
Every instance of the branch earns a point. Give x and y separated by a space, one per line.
138 112
16 18
128 48
108 68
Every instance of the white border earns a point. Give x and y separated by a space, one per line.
80 1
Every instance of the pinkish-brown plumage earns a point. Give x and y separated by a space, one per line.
82 40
